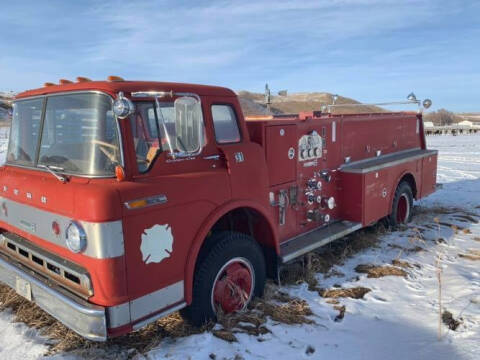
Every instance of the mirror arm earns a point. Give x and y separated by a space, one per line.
164 126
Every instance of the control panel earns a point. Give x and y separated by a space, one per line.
310 146
317 205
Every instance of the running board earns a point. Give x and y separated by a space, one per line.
305 243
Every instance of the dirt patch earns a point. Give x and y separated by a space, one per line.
354 293
373 271
471 255
449 320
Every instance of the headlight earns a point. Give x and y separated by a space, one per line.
76 237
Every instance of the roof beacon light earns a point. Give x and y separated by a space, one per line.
115 78
427 103
123 107
411 97
65 82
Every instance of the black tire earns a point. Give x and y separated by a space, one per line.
228 246
402 205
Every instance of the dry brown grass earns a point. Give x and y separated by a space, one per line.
354 293
471 255
374 271
277 305
62 339
336 253
403 264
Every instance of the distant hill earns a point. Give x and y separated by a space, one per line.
473 117
254 103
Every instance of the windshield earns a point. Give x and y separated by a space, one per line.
78 134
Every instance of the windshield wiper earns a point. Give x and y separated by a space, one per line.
51 169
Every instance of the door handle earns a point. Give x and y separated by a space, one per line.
212 157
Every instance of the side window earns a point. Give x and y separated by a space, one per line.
145 135
225 124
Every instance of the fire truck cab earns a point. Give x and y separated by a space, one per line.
124 201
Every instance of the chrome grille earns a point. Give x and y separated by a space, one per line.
70 275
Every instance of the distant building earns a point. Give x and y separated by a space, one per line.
465 123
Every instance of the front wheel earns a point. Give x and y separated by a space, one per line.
227 278
402 205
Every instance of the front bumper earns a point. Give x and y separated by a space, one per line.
86 319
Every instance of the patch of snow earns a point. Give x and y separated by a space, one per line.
17 341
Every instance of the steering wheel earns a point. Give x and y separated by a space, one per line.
105 149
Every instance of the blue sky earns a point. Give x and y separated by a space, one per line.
370 50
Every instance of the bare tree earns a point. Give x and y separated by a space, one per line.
441 117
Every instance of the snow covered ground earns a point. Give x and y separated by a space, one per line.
397 319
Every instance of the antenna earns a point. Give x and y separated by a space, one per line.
268 98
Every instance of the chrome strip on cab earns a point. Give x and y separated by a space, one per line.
157 300
104 240
146 305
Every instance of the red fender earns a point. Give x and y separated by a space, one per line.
397 182
208 224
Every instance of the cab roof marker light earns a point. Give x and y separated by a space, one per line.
115 78
47 84
81 79
65 82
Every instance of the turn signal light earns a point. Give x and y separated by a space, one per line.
135 204
55 228
119 173
115 78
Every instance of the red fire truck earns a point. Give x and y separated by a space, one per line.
124 201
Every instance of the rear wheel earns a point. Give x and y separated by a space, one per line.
227 278
402 205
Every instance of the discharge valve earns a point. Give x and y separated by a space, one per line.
313 184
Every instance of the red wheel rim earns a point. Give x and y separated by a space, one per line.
233 286
403 209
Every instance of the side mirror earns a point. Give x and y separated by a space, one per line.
189 130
